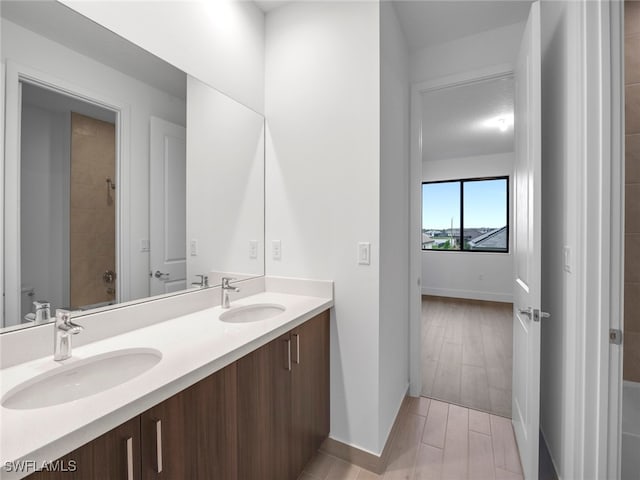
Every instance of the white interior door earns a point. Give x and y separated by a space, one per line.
527 247
167 209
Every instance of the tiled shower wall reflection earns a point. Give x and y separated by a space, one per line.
632 192
92 216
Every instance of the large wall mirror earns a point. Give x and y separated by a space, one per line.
124 178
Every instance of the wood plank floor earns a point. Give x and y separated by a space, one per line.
437 441
467 353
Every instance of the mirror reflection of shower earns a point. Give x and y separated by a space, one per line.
67 150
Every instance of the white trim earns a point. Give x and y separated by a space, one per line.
2 152
15 74
468 294
415 207
613 411
601 203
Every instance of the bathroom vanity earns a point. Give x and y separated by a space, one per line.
242 398
261 417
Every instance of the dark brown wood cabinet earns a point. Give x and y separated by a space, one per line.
261 418
264 397
283 403
193 434
310 389
112 456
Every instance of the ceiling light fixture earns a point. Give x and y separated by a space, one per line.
501 122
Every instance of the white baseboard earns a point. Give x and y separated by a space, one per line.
468 294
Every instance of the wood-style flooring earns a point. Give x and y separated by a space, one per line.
467 353
437 441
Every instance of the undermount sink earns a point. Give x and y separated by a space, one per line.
252 313
81 378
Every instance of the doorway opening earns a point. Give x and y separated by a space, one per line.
467 314
66 193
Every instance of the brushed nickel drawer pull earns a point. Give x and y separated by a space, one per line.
159 445
288 342
130 458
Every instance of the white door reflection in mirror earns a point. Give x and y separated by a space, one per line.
167 207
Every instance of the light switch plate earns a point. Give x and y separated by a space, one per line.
364 253
193 247
276 249
253 249
145 245
566 259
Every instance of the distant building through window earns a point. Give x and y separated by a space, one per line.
466 215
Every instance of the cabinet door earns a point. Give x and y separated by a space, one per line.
112 456
310 389
192 435
264 412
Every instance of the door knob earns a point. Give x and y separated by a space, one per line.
159 274
526 311
534 313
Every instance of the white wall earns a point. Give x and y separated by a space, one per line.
219 42
44 204
31 50
394 217
225 184
493 47
475 275
323 185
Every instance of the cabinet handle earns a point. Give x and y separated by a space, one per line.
288 342
130 458
159 446
297 337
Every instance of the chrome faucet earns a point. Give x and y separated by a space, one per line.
42 311
62 331
225 289
204 281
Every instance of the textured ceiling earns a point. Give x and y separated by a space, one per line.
463 121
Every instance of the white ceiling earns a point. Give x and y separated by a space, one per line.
461 121
429 22
59 23
268 5
433 22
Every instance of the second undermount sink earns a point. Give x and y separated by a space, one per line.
81 378
252 313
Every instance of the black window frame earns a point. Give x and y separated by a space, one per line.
462 181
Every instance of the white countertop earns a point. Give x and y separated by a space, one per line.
193 346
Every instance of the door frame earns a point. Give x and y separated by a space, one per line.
610 413
415 207
15 73
599 117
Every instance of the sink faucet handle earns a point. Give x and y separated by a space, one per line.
226 280
41 304
63 321
42 310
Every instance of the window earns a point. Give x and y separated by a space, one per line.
466 215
